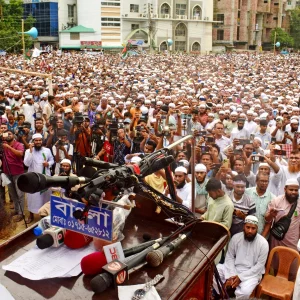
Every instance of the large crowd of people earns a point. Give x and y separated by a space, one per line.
242 109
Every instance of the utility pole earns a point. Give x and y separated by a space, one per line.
150 27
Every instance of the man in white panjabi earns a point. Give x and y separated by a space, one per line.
38 159
244 261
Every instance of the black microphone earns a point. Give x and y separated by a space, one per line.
104 280
33 182
98 163
141 247
159 164
155 257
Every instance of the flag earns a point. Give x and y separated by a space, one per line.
27 54
124 52
36 52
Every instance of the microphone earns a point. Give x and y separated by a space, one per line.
103 281
147 237
143 246
99 164
76 240
52 237
33 182
155 258
159 164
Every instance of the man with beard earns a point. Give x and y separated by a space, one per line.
183 188
240 132
292 171
243 204
244 261
279 207
38 159
200 184
12 165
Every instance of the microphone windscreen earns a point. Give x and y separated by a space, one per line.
44 241
31 182
154 258
147 237
76 240
101 282
92 264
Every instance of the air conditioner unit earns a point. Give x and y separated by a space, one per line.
126 15
183 17
178 17
167 16
145 15
140 15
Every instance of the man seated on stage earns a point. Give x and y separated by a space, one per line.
244 261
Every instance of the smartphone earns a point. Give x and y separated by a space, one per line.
238 151
257 159
216 166
202 133
152 130
204 149
279 152
163 117
252 136
226 163
209 139
244 142
5 135
273 140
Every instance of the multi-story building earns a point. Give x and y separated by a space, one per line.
112 23
247 24
45 12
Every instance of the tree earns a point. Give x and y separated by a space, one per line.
282 37
11 24
295 26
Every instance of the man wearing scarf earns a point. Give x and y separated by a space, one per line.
38 159
201 193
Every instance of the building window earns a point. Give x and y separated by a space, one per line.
110 22
110 3
238 33
71 11
135 27
163 46
134 8
196 47
181 9
197 12
180 45
180 30
220 35
220 18
165 9
74 36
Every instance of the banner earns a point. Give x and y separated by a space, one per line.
90 45
99 221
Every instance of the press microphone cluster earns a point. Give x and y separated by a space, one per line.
116 272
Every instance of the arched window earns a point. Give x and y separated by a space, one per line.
165 9
163 46
197 12
180 30
196 47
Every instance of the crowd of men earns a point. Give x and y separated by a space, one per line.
242 109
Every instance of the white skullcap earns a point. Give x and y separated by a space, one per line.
65 161
294 121
181 169
37 136
135 159
292 181
263 165
68 110
251 219
159 103
258 138
172 105
200 168
186 164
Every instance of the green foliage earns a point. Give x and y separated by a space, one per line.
11 24
295 26
283 37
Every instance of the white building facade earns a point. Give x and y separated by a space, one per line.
112 23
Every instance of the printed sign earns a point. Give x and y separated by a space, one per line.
99 223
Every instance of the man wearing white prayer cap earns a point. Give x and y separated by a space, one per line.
245 260
38 159
183 188
280 207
